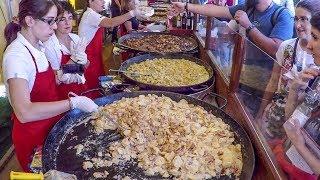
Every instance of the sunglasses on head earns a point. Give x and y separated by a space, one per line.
49 21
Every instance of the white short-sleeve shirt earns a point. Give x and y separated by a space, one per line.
89 24
300 54
18 62
54 50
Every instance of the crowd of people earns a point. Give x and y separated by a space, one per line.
40 44
270 27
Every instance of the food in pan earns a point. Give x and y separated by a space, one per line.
156 18
146 11
173 139
161 13
161 43
169 72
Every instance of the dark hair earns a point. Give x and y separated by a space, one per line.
65 6
315 21
313 6
33 8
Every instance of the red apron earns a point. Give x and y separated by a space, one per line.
293 172
64 89
27 136
95 68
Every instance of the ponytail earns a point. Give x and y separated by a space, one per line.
11 31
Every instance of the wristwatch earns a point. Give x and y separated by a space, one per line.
250 28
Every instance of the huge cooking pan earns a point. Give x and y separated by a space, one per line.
137 35
59 154
179 89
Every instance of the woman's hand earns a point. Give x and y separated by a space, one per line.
78 54
177 7
300 82
292 128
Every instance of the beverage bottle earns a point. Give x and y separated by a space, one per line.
184 21
189 20
311 101
179 22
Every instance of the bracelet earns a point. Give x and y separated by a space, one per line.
250 28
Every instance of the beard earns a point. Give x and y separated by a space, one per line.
251 3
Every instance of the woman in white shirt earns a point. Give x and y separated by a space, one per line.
65 48
91 27
293 166
293 57
30 80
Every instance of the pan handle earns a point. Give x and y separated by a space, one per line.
217 95
101 91
120 46
192 51
203 87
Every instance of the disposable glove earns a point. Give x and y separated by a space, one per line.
83 103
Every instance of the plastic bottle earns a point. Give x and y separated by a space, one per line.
311 101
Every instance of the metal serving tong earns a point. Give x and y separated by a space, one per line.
133 74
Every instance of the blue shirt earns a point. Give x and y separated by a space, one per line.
282 29
240 2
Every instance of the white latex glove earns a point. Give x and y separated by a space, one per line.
83 103
78 54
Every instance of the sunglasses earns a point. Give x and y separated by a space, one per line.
50 21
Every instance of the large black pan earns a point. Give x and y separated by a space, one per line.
57 153
136 35
179 89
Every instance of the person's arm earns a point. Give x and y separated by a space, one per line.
272 85
298 84
53 57
310 158
116 21
270 89
269 45
27 111
292 103
128 26
293 132
207 10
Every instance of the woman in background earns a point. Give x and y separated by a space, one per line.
293 126
64 48
132 24
92 27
